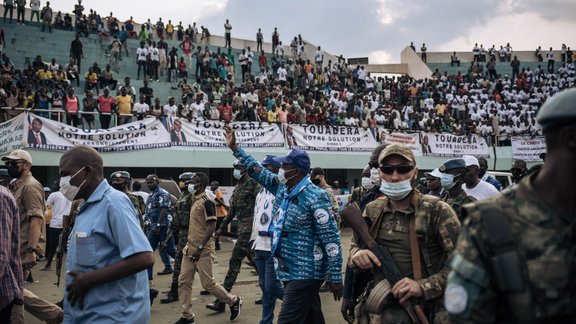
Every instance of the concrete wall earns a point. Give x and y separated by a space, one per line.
416 68
523 56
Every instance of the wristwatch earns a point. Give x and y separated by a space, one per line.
200 247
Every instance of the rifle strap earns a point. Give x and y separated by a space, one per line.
415 249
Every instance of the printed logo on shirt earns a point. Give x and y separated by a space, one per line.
321 216
318 253
264 219
332 249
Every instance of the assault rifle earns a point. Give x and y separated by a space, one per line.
389 269
60 256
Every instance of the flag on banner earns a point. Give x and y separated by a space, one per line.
47 134
329 138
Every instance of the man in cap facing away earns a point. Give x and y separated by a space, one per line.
516 256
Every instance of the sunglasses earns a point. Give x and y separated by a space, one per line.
13 163
400 168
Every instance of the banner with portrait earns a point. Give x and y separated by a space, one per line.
528 148
450 145
47 134
210 133
329 138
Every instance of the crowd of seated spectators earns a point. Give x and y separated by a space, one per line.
289 88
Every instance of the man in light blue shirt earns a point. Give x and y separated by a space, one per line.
108 253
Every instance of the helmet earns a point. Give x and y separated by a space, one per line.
120 174
186 176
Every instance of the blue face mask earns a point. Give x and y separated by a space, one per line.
237 174
447 181
396 190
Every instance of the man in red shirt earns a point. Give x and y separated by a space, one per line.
187 46
225 111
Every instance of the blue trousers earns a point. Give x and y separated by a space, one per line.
169 250
271 287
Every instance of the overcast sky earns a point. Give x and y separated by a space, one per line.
379 29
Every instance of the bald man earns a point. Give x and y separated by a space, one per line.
108 252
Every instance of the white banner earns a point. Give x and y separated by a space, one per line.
329 138
412 140
12 134
210 133
527 148
47 134
450 145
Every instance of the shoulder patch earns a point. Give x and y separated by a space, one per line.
455 299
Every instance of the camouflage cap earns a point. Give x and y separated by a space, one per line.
120 174
397 149
186 176
560 109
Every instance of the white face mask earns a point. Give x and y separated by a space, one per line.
447 181
192 188
367 183
396 190
237 174
282 176
67 189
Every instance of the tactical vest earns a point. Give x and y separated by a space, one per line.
535 290
424 219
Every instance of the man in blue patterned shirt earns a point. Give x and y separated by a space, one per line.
305 239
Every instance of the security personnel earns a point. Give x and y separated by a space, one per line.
451 175
120 180
518 170
242 207
420 232
180 224
516 256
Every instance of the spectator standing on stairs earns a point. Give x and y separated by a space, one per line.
423 49
20 9
8 8
35 10
76 51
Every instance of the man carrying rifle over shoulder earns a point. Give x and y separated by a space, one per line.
417 234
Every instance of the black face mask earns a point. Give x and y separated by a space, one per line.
118 186
316 181
13 171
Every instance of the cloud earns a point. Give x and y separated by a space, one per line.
379 57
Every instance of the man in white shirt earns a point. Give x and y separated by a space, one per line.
60 208
141 108
271 287
197 108
319 59
473 185
282 74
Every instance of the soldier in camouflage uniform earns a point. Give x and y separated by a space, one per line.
516 256
120 180
242 207
180 224
402 213
451 174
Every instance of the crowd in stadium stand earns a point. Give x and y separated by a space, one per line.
289 87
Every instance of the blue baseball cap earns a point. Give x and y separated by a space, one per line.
269 160
297 158
453 164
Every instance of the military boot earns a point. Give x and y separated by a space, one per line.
171 296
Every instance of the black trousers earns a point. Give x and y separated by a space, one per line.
301 303
6 314
105 121
52 243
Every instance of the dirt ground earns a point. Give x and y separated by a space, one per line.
246 286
